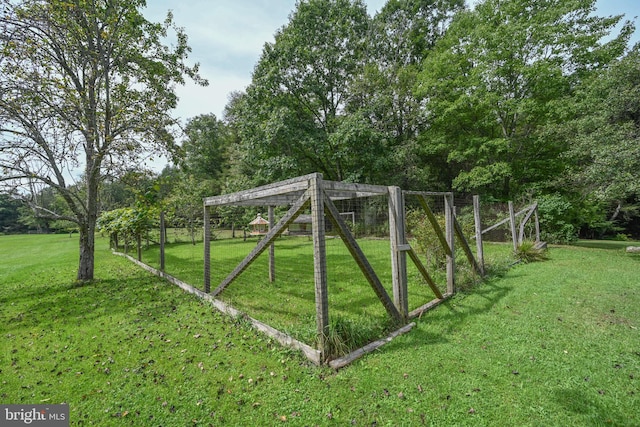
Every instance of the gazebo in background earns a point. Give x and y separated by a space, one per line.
259 226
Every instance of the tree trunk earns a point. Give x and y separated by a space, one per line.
87 224
87 249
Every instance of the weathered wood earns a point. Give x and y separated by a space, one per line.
361 260
540 245
294 211
288 190
427 193
512 221
465 246
345 360
449 210
272 248
428 306
524 221
423 271
398 256
537 223
207 250
162 241
311 353
507 219
435 225
316 196
633 249
337 189
478 226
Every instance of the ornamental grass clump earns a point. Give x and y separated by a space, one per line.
529 251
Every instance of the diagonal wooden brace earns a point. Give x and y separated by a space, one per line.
291 215
361 260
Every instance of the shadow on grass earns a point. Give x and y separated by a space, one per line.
585 405
74 303
453 314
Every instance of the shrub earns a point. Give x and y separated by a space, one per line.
527 252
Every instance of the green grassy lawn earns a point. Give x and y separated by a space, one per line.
554 343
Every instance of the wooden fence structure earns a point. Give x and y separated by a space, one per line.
312 192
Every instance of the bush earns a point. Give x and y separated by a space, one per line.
527 252
559 222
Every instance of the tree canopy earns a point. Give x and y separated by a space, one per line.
511 99
85 85
494 81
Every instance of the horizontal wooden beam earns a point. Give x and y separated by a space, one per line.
264 193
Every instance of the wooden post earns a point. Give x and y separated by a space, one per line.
512 221
162 240
523 222
450 234
320 264
398 254
537 221
478 223
272 248
207 250
139 244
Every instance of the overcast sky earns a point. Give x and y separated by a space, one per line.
227 39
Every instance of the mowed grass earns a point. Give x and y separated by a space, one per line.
553 343
288 303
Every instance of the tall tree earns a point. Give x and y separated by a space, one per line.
602 132
206 147
299 90
403 34
494 81
84 84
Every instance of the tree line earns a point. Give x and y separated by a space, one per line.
511 99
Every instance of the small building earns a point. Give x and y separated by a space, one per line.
301 226
259 226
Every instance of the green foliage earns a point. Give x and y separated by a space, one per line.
493 81
128 222
558 219
602 131
291 115
9 214
528 251
206 149
426 240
